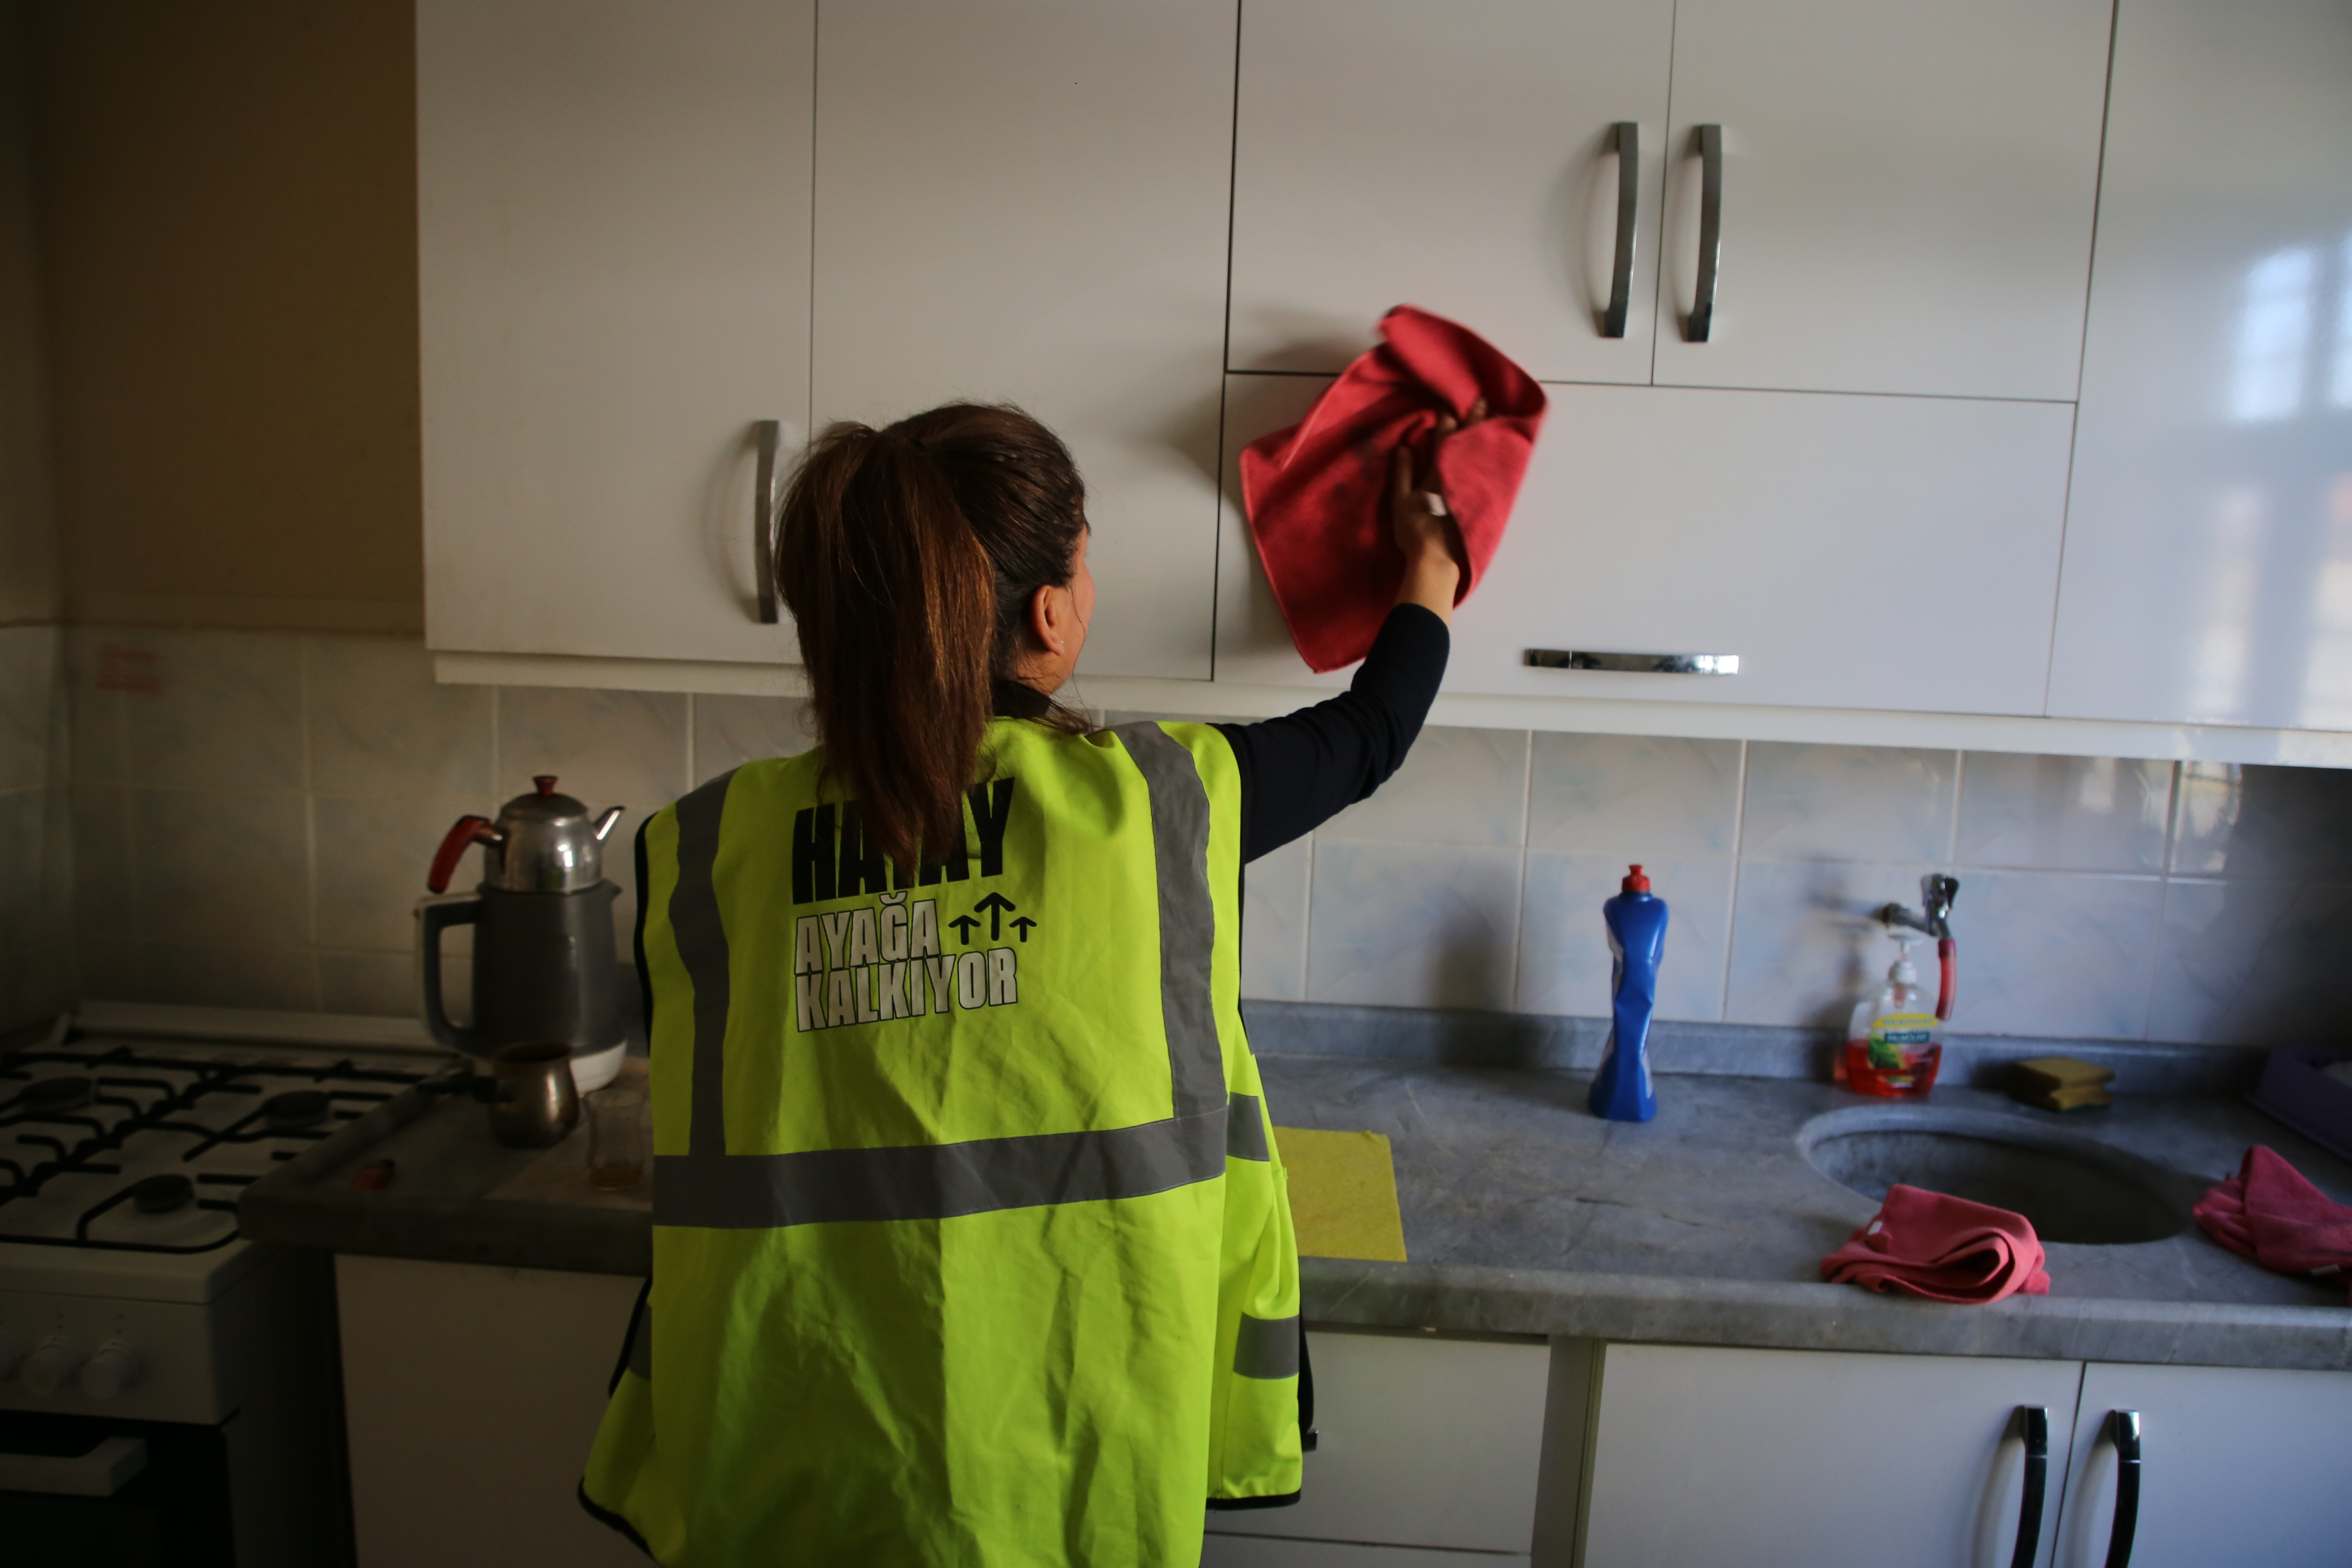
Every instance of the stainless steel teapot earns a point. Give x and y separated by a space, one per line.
543 951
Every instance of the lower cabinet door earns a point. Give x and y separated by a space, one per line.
1856 552
1748 1459
2237 1465
1425 1442
1272 1552
472 1395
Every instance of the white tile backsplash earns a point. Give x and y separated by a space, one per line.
251 819
2054 955
226 711
731 730
215 865
1274 922
2254 962
381 725
2063 814
1634 796
1456 786
1848 803
1427 925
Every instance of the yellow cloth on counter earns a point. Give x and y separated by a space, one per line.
1343 1195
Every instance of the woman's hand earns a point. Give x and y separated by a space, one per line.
1434 561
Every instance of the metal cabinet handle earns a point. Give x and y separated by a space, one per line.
1627 138
1635 663
2037 1480
2123 1427
1710 232
764 517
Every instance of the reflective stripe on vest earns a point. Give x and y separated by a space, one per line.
708 1187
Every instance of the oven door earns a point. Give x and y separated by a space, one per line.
79 1491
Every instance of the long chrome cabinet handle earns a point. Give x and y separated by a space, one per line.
1627 136
1710 232
1635 663
770 434
2123 1425
2036 1420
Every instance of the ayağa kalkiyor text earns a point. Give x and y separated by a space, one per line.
876 961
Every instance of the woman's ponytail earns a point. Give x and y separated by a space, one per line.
907 557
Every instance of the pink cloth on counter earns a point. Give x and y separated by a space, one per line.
1317 493
1941 1249
2272 1213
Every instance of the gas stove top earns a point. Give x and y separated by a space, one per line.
113 1142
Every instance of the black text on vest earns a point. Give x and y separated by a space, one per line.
830 858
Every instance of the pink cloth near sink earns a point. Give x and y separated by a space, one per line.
2271 1213
1941 1249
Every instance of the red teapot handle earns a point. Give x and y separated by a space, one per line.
467 832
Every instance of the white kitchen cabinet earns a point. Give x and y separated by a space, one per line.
1427 1443
2237 1465
1815 537
1907 189
1026 200
1753 1458
1908 194
472 1395
614 278
2209 541
1459 157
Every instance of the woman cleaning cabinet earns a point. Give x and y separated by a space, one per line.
970 1238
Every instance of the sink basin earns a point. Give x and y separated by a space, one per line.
2074 1189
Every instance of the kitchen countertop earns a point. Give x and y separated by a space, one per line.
1523 1214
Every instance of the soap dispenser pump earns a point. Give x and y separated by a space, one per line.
1636 919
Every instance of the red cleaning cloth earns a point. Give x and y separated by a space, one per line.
1317 493
2271 1213
1942 1248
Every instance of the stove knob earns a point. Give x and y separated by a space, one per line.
50 1366
111 1368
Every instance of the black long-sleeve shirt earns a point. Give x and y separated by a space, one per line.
1305 768
1302 769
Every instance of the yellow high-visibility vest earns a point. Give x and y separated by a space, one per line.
970 1243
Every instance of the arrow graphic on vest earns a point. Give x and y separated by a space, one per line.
1025 925
963 925
998 906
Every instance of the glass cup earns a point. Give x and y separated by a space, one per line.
616 1138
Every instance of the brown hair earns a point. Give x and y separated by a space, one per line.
908 557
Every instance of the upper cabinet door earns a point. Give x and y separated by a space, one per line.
1805 536
1026 201
1460 157
612 259
2208 540
1906 190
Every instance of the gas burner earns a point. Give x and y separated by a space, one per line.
162 1194
55 1096
292 1111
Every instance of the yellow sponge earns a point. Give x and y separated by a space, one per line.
2060 1083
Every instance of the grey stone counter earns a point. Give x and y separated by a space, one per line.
1523 1214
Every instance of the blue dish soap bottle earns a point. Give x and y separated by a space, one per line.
1637 938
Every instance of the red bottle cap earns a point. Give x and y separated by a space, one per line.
1635 883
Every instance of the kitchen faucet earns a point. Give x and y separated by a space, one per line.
1936 893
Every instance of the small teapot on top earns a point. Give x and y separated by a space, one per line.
543 951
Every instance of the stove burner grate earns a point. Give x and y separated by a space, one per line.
55 1096
178 1085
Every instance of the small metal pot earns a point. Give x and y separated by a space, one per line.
533 1102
